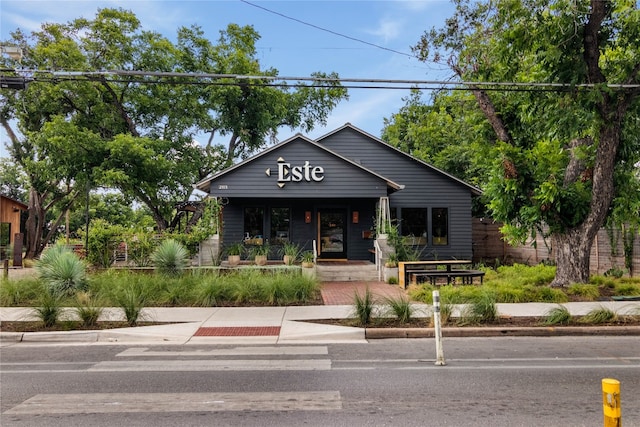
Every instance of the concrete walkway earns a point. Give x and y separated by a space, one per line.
289 325
283 325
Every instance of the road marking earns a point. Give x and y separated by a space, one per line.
213 365
97 403
248 351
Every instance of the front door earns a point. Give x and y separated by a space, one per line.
332 233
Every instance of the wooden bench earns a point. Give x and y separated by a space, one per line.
467 276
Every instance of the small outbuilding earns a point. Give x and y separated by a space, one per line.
9 223
329 191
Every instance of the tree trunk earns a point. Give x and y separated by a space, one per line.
573 251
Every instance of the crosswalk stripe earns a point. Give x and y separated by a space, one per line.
95 403
235 351
212 365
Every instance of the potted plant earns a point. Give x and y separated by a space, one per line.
290 253
390 267
233 253
307 259
259 253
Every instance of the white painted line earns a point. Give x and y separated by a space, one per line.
177 402
211 365
250 351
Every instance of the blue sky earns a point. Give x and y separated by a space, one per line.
295 49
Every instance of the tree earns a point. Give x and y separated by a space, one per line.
140 127
448 133
559 152
13 181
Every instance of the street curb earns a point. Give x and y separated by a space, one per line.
546 331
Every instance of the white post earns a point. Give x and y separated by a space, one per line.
438 329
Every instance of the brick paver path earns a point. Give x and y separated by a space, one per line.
238 331
341 293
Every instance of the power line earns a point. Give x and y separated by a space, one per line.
335 33
292 81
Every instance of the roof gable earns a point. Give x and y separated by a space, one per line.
331 140
295 168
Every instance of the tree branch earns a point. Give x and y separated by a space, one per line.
123 113
599 11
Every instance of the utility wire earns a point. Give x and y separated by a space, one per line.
282 81
335 33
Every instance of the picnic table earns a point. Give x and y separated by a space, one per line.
410 271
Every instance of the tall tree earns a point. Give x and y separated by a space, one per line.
140 126
559 151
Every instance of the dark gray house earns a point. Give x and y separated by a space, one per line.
328 190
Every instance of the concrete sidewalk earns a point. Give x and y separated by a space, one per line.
286 325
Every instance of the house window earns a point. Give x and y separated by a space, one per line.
254 226
440 226
414 226
280 219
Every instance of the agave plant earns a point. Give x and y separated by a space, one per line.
61 270
171 257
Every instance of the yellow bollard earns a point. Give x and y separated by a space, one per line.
611 402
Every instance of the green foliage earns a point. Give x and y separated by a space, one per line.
132 133
627 288
170 258
363 307
481 309
140 246
586 292
552 150
213 291
49 309
259 250
88 308
132 300
307 256
599 315
236 248
23 292
104 239
61 270
557 316
400 307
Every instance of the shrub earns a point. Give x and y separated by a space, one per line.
481 310
131 300
49 309
88 308
588 292
599 315
23 292
627 289
170 258
213 292
557 316
61 270
363 307
103 240
400 307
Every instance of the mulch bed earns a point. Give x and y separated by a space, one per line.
520 321
68 326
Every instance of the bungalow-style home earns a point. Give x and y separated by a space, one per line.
329 190
9 223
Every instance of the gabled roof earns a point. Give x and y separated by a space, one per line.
474 190
19 204
205 183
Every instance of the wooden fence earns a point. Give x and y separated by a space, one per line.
488 246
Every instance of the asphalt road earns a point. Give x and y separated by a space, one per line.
487 382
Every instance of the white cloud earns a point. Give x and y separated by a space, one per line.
387 30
